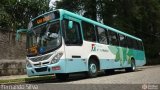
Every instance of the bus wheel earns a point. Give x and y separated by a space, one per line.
92 68
133 66
62 76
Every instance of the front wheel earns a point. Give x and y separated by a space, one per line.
92 69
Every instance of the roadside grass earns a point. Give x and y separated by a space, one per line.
27 80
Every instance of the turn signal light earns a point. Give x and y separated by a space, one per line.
56 68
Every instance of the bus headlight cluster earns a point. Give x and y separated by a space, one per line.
28 64
56 58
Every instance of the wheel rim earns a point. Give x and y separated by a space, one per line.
133 66
93 68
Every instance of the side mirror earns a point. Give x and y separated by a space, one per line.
19 32
70 25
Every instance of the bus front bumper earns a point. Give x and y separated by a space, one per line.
45 70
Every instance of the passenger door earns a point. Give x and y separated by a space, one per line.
74 50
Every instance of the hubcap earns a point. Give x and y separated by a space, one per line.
133 66
93 68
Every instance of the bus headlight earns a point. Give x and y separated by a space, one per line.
56 58
28 64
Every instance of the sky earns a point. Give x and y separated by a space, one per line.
52 3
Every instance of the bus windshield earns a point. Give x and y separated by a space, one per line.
43 39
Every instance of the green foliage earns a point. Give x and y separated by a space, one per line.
86 8
16 14
137 17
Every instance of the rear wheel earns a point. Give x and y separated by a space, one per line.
62 76
92 68
133 66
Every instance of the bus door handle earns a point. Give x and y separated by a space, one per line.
75 56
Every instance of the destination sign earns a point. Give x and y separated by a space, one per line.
46 18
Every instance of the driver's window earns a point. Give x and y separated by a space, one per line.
53 31
73 35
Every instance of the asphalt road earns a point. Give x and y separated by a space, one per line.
143 75
145 78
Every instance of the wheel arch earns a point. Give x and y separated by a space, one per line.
133 59
95 58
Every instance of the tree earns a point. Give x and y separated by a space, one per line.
17 13
86 8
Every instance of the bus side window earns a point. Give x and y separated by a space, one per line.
113 39
130 43
102 35
88 32
139 45
122 39
72 36
135 45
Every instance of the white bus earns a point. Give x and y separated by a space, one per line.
60 42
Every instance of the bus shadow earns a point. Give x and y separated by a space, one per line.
80 76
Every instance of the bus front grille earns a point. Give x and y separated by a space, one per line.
41 64
42 69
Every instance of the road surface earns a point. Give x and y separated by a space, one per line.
143 75
145 78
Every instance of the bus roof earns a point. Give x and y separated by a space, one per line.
65 12
96 23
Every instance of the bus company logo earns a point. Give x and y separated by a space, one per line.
93 47
149 87
144 86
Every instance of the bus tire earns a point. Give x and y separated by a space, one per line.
62 76
92 68
133 66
